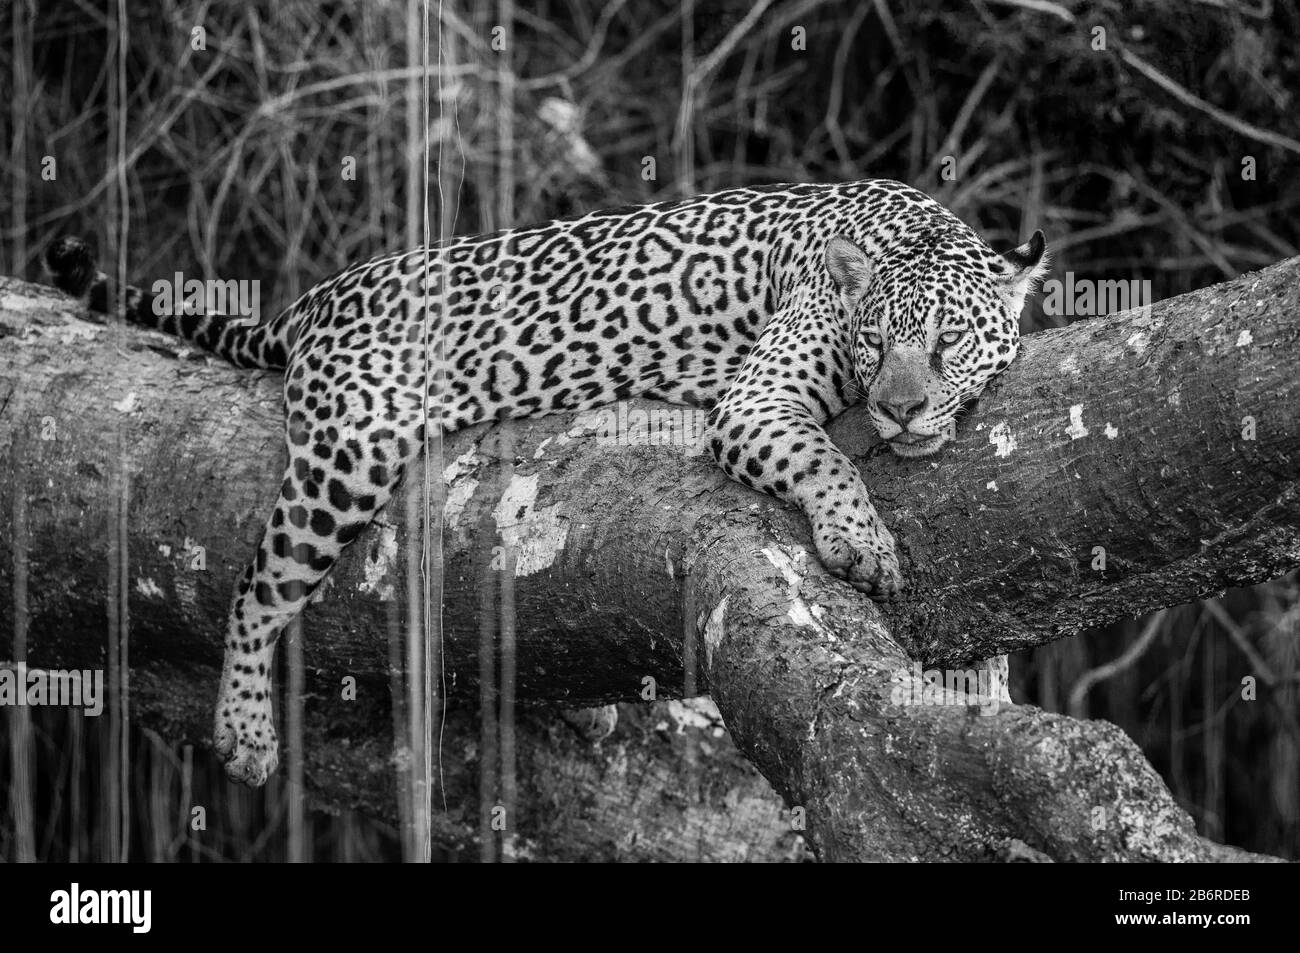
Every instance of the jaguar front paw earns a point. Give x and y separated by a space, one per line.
866 561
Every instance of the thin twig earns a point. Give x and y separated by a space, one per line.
1113 668
1187 98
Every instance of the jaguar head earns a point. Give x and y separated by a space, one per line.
934 320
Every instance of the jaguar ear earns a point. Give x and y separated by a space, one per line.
1024 267
850 268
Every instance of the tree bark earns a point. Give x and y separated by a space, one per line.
642 562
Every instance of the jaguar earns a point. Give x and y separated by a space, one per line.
773 307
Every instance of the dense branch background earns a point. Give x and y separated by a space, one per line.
1129 157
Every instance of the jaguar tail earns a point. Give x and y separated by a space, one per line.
240 340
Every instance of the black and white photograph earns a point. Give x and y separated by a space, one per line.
651 431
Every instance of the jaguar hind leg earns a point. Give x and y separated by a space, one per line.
330 494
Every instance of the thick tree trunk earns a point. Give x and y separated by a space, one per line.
1124 437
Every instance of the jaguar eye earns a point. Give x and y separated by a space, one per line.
874 339
951 337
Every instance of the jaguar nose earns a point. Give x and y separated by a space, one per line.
902 410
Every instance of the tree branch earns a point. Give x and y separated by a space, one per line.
642 561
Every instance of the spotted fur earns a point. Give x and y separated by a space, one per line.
774 306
